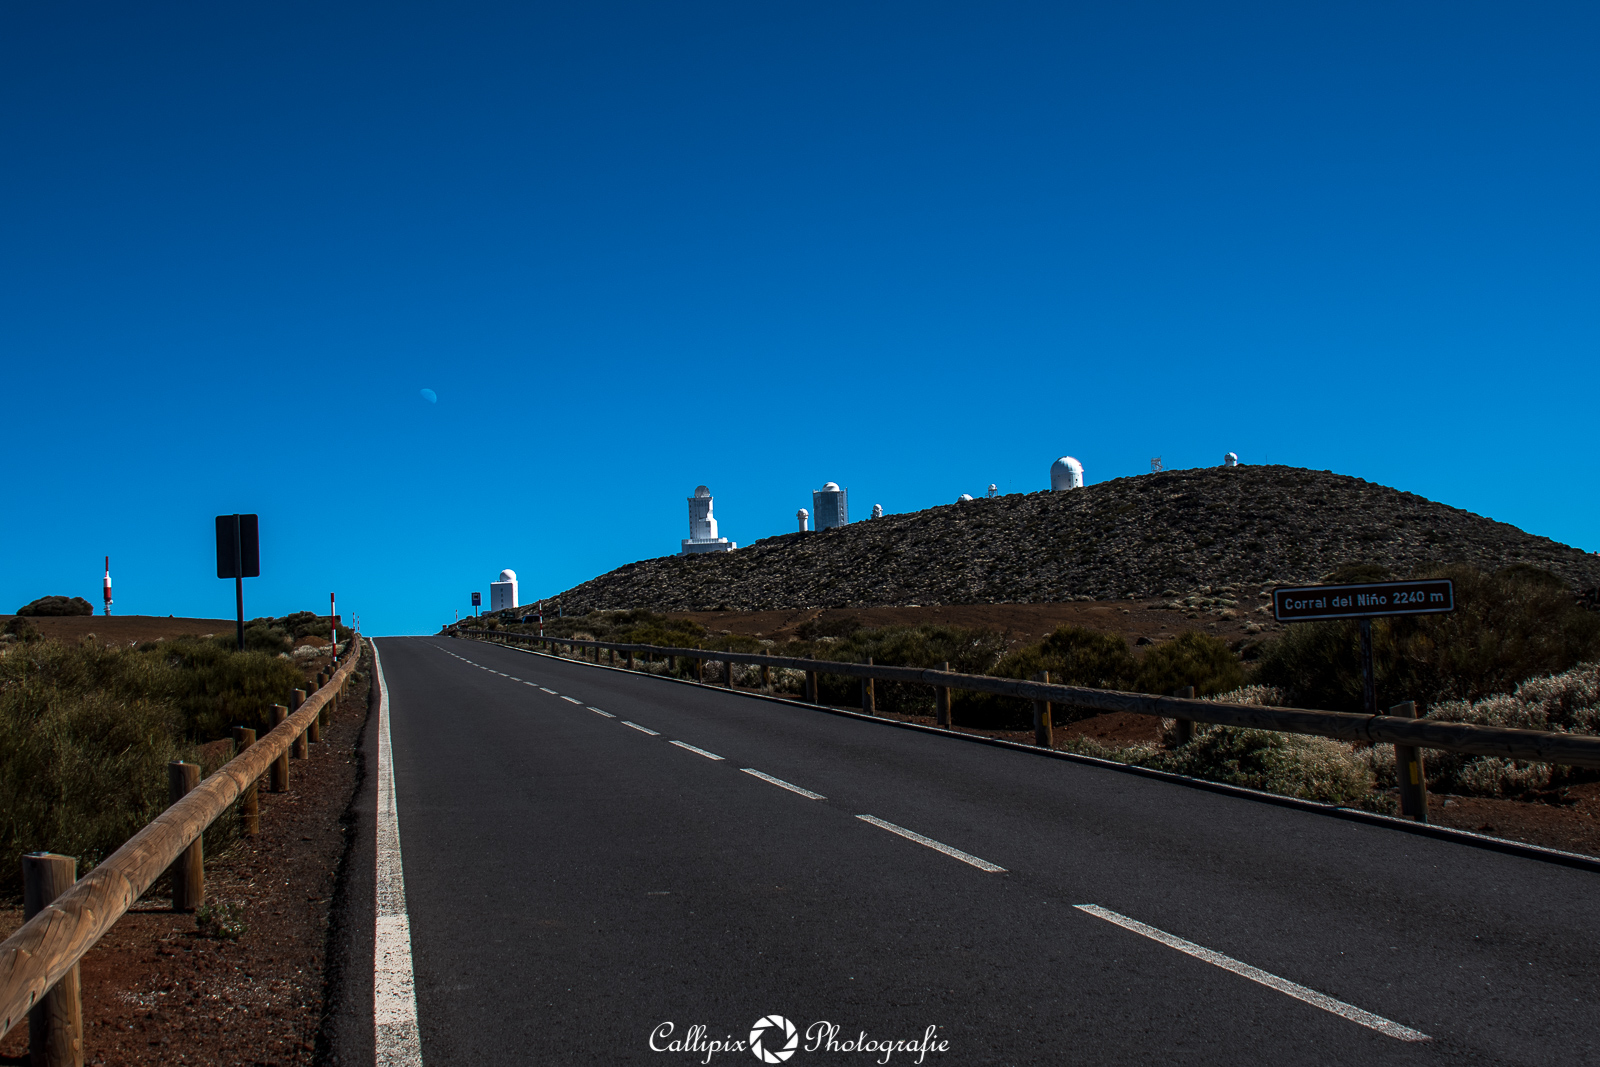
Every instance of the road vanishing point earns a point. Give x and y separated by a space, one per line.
597 864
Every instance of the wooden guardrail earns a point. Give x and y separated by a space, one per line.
49 945
1573 750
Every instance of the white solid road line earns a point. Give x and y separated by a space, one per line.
642 729
1299 992
937 846
607 714
691 748
781 784
396 1040
570 700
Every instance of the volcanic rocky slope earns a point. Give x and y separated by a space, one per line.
1152 535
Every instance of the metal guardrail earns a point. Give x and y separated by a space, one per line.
1542 746
48 946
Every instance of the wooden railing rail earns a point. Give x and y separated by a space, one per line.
50 944
1573 750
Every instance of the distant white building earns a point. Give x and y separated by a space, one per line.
1066 473
831 505
804 517
1231 459
503 594
703 526
877 511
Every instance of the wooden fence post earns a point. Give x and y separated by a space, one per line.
1043 732
55 1023
699 669
188 870
727 669
766 676
1408 769
630 659
297 747
1183 731
869 697
941 701
813 696
249 800
278 781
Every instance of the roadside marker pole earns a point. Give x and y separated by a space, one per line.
1409 772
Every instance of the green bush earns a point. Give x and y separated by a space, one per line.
1315 768
1508 627
1191 658
85 737
22 629
215 688
57 605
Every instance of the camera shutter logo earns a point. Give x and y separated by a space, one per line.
774 1039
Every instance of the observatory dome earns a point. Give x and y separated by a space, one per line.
1231 459
1066 473
964 498
831 487
701 492
508 576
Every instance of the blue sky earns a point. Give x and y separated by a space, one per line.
913 248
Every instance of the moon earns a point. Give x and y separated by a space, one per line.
430 396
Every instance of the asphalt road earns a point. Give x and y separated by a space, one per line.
575 883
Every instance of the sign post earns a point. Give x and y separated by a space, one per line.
1365 602
477 599
238 557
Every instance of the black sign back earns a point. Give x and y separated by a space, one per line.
1428 596
249 546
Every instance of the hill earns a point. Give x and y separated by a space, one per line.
1152 535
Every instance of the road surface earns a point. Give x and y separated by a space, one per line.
596 863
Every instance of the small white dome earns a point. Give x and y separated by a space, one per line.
802 514
831 487
508 576
963 498
701 492
1231 459
1066 473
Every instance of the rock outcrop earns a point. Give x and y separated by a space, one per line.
1146 536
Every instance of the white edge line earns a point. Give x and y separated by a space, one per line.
607 714
781 784
641 729
396 1040
937 846
1387 1027
698 751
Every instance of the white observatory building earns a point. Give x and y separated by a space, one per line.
1231 459
831 505
503 594
703 527
803 516
1066 473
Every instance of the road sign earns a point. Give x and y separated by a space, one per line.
477 598
1368 600
238 556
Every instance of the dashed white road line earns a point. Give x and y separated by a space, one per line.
1387 1027
781 784
937 846
691 748
571 700
552 692
642 729
607 714
396 1039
